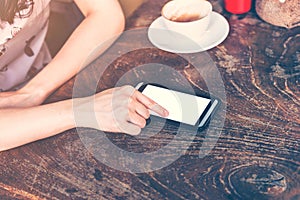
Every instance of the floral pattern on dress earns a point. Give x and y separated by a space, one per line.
13 63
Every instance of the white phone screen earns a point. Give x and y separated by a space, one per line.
182 107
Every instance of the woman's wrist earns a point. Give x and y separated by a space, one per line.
38 91
67 113
36 94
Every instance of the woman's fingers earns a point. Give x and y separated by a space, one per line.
144 100
150 104
140 109
137 119
131 129
128 121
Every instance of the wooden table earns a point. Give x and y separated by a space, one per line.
256 155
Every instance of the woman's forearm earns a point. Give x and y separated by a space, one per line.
25 125
96 29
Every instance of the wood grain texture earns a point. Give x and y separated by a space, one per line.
257 155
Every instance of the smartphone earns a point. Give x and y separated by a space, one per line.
189 109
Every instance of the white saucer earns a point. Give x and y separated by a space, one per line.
163 39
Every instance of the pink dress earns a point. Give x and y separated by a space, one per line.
22 46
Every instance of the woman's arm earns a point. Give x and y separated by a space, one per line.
103 21
122 109
24 125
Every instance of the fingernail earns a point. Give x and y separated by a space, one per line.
166 113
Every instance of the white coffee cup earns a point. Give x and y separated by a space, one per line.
188 18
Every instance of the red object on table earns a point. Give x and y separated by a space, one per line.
237 6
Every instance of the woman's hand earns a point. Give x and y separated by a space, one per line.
122 109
